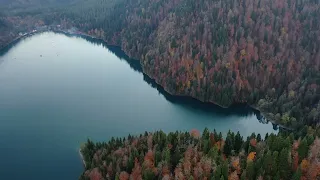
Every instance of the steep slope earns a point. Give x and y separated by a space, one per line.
265 52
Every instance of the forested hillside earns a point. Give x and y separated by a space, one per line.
23 16
183 155
264 52
14 6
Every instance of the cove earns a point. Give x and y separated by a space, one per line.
57 90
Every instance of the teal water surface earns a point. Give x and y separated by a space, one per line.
56 91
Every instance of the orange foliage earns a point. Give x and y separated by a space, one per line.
218 144
195 133
251 156
165 170
124 176
236 164
304 165
233 176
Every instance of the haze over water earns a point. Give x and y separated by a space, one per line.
56 91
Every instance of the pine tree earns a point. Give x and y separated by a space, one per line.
266 136
297 175
238 142
130 163
225 170
244 175
284 165
166 155
176 157
148 175
250 170
275 163
227 146
267 163
217 173
303 149
258 137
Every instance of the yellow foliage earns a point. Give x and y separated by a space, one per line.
227 65
251 156
188 84
291 94
243 52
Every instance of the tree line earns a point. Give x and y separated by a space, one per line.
191 155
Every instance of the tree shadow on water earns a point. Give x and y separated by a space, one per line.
241 110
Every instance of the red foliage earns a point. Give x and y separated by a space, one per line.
295 162
212 140
253 142
136 171
124 176
149 160
95 174
195 133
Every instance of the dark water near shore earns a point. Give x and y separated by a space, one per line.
56 91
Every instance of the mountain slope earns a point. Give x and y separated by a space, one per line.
265 52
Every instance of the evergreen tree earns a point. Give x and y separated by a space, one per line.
297 175
275 163
258 137
250 170
166 155
284 165
130 163
244 175
148 174
227 146
238 142
217 173
224 170
266 136
176 157
303 149
267 163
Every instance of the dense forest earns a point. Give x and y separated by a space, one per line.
184 155
264 53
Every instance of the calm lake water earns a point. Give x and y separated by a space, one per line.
56 91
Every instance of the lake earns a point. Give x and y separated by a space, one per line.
56 91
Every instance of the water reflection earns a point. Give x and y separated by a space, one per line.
185 102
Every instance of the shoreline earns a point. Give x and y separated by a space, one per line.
81 157
81 34
18 38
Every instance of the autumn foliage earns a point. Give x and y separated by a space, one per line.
188 157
